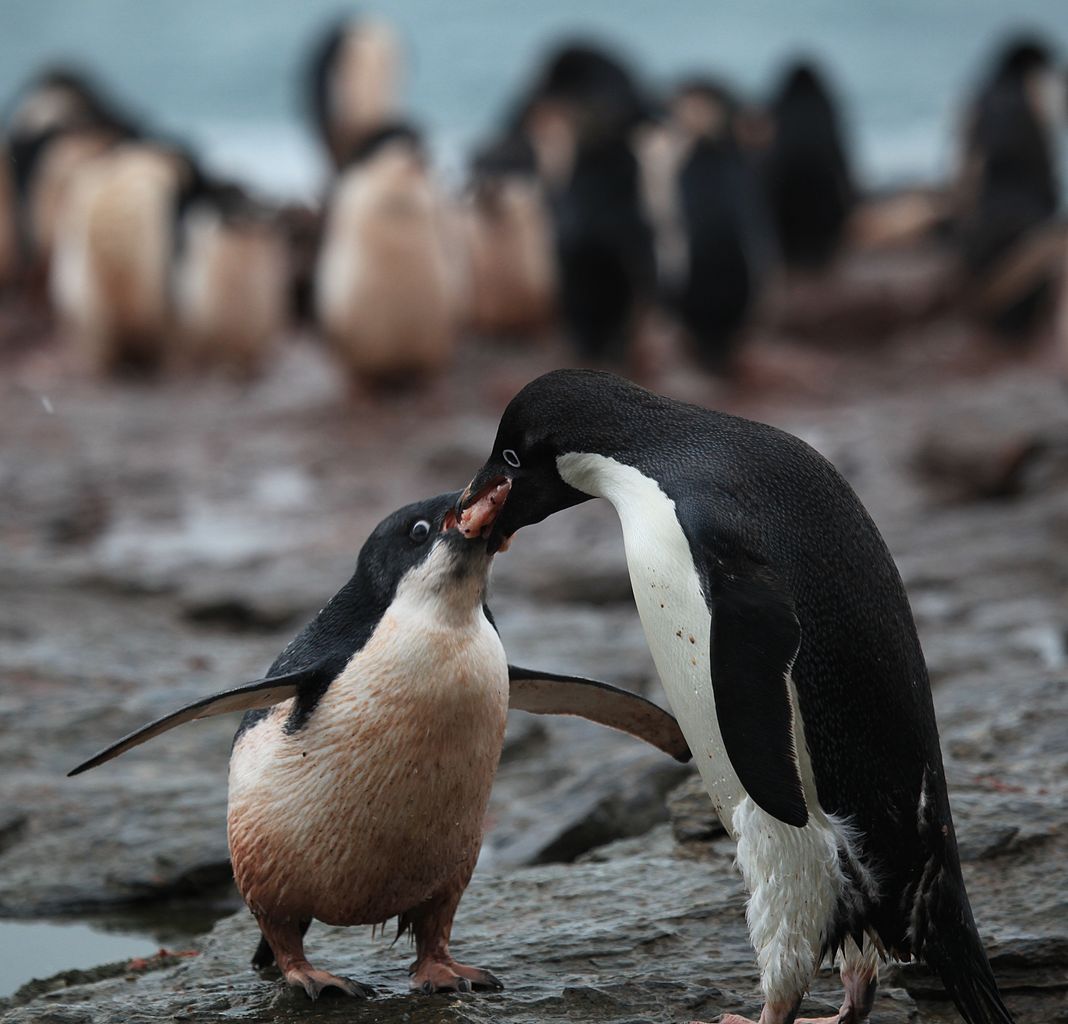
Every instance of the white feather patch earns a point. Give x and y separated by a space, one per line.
794 875
378 802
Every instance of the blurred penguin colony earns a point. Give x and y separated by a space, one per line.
598 206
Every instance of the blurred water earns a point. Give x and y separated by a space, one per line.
39 949
226 75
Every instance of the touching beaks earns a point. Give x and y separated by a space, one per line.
479 511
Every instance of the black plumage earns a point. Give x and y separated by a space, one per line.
788 560
809 182
604 248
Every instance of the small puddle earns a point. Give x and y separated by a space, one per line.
39 949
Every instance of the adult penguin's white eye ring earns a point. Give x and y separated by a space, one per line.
419 531
510 457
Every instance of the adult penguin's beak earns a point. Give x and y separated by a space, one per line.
480 505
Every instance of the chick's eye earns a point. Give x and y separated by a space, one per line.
419 531
510 457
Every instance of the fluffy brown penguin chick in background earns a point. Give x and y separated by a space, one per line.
360 776
232 276
59 122
111 274
388 287
356 77
508 239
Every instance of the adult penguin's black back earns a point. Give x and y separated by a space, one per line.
810 185
797 580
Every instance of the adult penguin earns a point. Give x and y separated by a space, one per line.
809 181
1008 191
726 235
581 91
605 261
783 636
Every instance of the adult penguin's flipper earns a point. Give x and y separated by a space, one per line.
263 693
755 639
544 693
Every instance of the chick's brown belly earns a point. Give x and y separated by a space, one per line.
375 806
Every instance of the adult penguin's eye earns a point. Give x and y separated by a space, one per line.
510 457
419 531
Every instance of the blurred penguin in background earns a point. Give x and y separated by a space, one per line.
726 232
1008 192
809 183
509 242
580 91
356 76
59 122
112 274
232 280
388 289
606 265
581 116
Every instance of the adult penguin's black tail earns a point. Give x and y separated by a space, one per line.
968 979
940 921
951 945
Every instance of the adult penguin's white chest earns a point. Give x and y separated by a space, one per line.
671 606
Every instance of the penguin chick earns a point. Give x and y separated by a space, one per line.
232 277
388 293
360 775
509 246
356 76
59 122
111 275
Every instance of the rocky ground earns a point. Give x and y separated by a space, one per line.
158 542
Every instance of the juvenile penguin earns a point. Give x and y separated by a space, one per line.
59 122
783 636
360 775
111 276
388 291
232 276
505 222
355 76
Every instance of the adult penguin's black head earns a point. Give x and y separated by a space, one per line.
564 411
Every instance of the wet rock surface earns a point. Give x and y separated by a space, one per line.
160 543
